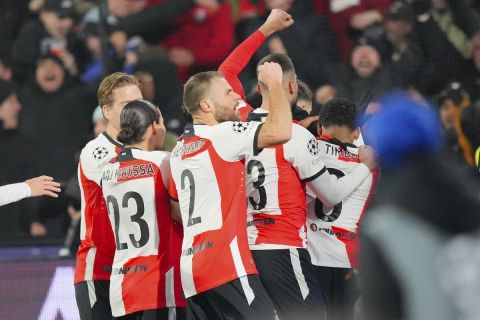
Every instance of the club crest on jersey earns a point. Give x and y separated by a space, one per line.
99 153
240 127
312 146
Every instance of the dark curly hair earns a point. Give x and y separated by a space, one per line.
340 112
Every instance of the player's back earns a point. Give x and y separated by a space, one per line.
333 232
275 183
208 173
145 269
97 244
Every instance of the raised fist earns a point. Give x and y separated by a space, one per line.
270 72
278 20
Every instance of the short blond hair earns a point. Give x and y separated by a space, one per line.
196 88
112 82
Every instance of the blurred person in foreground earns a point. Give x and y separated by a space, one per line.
421 235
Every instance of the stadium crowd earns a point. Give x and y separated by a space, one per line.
54 55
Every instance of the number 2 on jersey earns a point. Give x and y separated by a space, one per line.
337 209
187 174
136 218
262 202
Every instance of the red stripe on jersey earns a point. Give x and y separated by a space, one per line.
195 145
215 266
137 169
291 199
98 234
244 111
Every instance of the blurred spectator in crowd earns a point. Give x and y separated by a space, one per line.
55 116
400 50
452 101
470 123
310 42
472 80
411 245
443 30
51 33
18 161
349 18
200 39
6 72
366 72
12 15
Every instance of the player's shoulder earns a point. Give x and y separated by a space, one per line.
235 127
99 149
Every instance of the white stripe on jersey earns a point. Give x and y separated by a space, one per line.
92 296
237 261
297 269
90 262
170 288
116 296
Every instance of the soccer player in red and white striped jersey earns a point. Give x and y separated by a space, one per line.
276 181
97 244
208 175
145 280
332 234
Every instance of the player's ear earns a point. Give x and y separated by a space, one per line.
106 112
292 86
356 133
205 105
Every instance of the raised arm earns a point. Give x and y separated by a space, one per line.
241 55
277 128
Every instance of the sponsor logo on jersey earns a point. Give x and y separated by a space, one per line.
125 270
189 148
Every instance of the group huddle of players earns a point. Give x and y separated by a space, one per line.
249 219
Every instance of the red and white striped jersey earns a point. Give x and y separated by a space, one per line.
275 181
208 172
97 244
333 232
145 271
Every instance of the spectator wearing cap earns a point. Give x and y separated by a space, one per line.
452 101
17 163
366 72
51 33
56 116
401 51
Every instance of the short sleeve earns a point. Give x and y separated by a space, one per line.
164 165
236 140
302 151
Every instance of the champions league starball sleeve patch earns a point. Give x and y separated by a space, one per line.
312 146
99 153
240 127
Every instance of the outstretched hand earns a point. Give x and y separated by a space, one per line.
43 186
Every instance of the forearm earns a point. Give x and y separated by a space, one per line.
14 192
331 190
278 126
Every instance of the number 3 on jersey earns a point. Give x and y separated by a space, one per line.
337 209
112 205
262 194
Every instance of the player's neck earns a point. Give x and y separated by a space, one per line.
142 145
209 121
343 134
112 132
